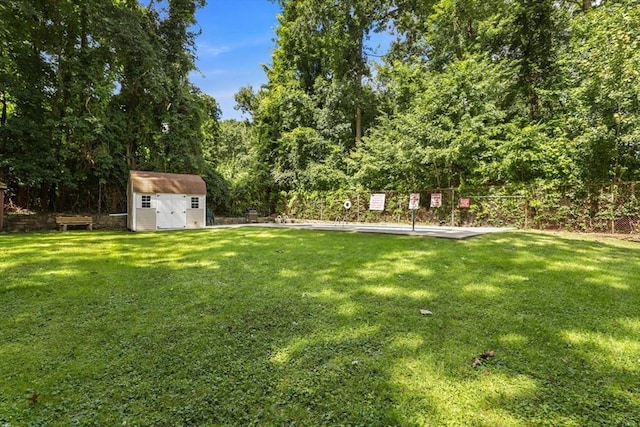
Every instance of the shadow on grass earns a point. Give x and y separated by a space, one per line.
253 326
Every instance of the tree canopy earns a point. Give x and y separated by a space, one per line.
92 89
468 93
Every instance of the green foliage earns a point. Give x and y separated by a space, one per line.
313 111
494 93
529 154
471 93
604 93
92 89
447 132
233 156
535 32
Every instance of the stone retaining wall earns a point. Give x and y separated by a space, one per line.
230 220
20 223
16 223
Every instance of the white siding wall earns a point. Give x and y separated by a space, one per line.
196 216
146 218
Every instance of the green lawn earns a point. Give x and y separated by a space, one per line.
294 327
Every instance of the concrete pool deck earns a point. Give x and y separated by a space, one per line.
446 232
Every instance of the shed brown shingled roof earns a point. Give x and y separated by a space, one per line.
173 183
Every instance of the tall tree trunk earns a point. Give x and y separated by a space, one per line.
358 125
3 103
3 122
44 196
23 197
586 5
358 81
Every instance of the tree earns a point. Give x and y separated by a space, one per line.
317 103
446 133
534 47
603 94
91 89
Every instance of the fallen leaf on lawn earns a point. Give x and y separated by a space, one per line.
33 399
487 354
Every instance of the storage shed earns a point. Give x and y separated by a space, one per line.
165 201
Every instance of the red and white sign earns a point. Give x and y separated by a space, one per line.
376 202
414 201
464 202
436 200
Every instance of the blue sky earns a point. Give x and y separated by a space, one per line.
236 39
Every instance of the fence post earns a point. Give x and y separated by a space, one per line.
453 207
613 209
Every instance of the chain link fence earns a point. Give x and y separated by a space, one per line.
612 208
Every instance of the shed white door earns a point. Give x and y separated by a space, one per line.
171 211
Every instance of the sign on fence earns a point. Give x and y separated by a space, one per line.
436 200
464 202
414 201
376 202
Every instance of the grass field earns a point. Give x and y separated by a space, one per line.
293 327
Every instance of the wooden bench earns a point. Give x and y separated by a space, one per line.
64 221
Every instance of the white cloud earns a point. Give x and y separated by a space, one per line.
204 49
212 50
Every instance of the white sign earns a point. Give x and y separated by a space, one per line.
436 200
414 201
376 202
